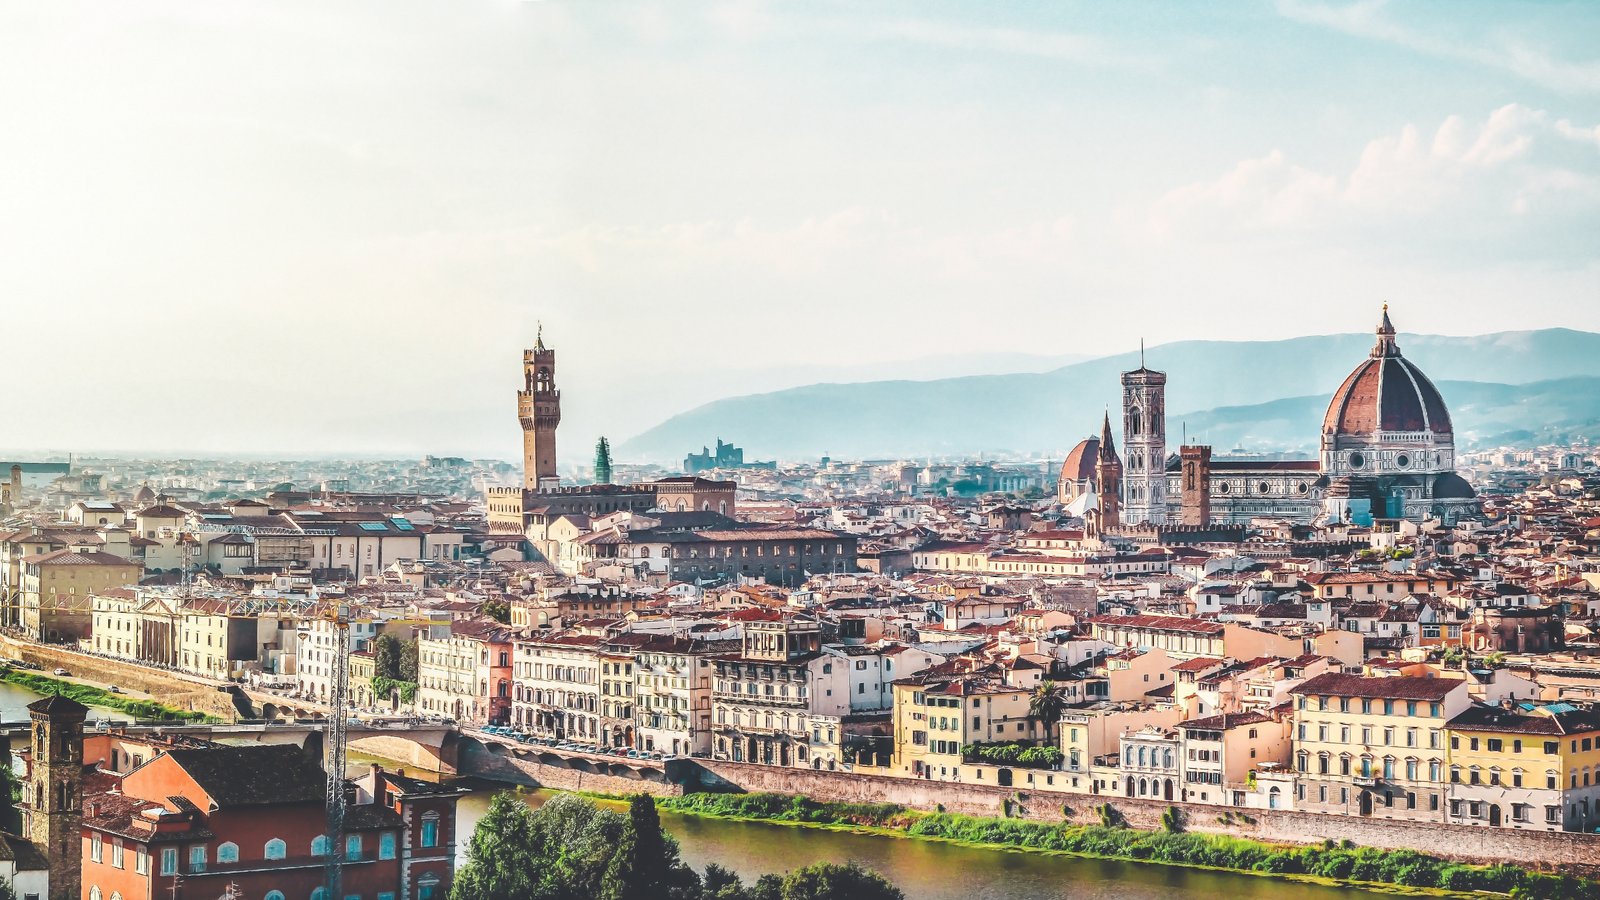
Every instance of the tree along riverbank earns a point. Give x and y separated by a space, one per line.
89 695
1400 870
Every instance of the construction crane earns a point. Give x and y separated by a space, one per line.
335 743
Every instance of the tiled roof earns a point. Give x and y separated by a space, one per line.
1494 718
258 775
76 558
1161 623
1224 721
1398 687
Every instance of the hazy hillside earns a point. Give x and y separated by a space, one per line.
1482 413
1261 388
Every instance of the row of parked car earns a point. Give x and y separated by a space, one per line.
525 738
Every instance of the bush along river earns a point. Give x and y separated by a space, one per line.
950 857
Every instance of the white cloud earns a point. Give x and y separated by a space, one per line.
1461 179
1590 135
1368 19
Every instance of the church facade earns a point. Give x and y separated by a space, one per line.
1242 489
1387 452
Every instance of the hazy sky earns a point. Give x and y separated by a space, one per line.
332 225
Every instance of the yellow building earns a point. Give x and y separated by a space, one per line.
1532 768
56 588
1374 746
219 636
940 710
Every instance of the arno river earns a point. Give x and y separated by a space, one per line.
929 870
925 870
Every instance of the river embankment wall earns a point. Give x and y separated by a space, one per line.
168 688
1565 851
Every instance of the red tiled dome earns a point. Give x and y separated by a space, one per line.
1386 392
1080 462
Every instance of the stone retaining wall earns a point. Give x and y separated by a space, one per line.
1567 851
165 687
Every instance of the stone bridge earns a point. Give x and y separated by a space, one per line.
499 758
419 747
424 747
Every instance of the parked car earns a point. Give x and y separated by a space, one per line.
61 671
114 689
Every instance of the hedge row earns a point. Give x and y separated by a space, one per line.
1025 755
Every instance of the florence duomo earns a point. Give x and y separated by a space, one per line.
1387 453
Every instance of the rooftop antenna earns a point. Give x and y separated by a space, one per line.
1141 353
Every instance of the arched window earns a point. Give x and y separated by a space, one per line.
1133 421
94 892
319 845
228 853
273 895
1166 758
319 894
276 849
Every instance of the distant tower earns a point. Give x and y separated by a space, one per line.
539 410
54 810
11 491
1196 484
602 461
1144 445
1108 478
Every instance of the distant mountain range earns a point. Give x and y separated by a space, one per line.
1483 413
1507 387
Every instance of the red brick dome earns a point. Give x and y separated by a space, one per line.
1386 393
1080 462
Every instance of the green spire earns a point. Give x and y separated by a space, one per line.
602 461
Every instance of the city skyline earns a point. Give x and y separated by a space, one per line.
328 195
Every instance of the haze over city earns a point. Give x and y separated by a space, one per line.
331 228
799 449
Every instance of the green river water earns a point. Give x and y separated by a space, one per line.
932 870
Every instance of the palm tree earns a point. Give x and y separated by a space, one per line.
1046 705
